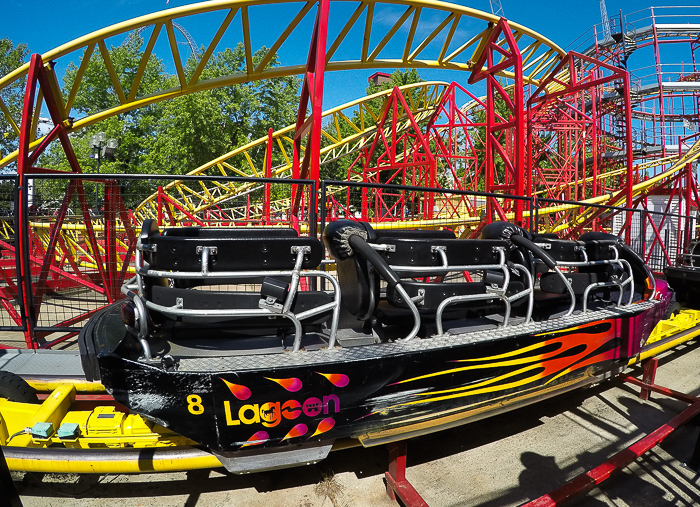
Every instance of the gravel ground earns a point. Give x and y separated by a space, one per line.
502 461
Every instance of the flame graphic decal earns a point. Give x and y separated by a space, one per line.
240 392
257 439
290 384
560 353
337 379
297 431
324 426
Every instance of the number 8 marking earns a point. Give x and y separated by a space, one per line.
195 404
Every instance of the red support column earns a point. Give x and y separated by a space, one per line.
23 167
39 86
630 158
268 174
495 58
160 207
648 376
311 91
110 241
396 484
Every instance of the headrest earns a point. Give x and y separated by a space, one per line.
503 230
544 236
599 236
337 233
383 234
148 228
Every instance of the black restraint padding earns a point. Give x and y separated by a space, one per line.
359 287
561 250
179 253
217 300
552 282
381 234
419 252
436 293
535 250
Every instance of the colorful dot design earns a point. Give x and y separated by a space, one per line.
257 439
337 379
323 426
297 431
290 384
240 392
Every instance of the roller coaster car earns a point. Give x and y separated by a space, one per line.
684 278
227 337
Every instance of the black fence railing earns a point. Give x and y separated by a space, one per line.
65 254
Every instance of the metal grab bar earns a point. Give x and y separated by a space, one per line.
143 271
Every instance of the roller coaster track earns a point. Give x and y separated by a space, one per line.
459 32
350 128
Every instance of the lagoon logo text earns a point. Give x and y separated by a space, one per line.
270 414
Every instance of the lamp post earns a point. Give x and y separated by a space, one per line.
101 148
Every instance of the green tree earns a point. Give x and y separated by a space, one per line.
11 57
179 135
196 128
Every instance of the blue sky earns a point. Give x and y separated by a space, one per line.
43 25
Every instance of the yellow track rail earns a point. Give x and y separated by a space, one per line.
460 34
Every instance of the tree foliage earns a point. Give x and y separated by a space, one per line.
178 135
11 57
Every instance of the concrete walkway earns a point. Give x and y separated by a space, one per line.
502 461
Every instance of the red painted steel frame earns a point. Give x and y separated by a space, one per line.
495 58
518 148
395 157
311 90
589 480
32 291
397 487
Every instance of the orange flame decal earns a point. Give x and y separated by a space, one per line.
323 426
297 431
290 384
240 392
337 379
257 439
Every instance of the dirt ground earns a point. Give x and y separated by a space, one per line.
502 461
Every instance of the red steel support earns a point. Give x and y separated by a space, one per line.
268 174
493 59
629 154
415 161
396 484
23 167
160 206
648 376
585 482
112 283
311 90
41 83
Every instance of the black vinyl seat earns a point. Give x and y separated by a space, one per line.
174 265
414 265
594 266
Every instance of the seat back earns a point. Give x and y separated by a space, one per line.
182 253
228 250
413 256
276 259
601 244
